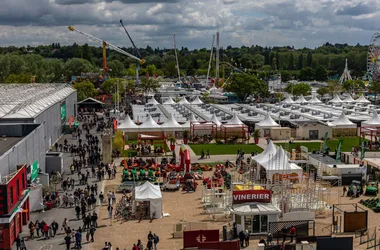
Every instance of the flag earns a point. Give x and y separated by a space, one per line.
362 151
114 124
325 141
338 151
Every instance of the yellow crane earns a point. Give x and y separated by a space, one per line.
105 45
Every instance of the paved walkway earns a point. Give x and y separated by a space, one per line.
59 214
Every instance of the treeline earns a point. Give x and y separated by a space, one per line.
49 63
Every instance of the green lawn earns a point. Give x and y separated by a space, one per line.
348 142
224 149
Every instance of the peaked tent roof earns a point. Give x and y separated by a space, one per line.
314 99
197 101
235 120
336 99
169 101
153 101
127 124
301 99
171 123
147 192
288 100
90 100
191 119
215 120
342 120
362 99
267 122
374 121
149 123
268 152
183 101
349 99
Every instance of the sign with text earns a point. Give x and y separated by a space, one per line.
262 196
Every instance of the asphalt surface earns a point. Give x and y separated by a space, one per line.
59 214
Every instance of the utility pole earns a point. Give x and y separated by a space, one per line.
217 59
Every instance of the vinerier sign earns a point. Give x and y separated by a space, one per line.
263 196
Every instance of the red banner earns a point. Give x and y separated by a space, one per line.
262 196
115 124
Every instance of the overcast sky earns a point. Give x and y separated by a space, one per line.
299 23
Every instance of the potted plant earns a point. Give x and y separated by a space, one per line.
172 143
256 135
185 136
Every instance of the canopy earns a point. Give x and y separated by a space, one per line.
235 120
267 122
151 193
268 152
171 124
374 121
362 99
153 101
149 123
197 101
258 208
314 100
349 99
215 120
183 101
342 121
191 119
169 101
301 99
336 99
288 100
128 125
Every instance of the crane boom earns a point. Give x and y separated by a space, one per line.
111 46
130 38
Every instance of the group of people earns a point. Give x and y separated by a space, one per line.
203 155
151 244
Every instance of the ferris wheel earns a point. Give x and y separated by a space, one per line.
373 59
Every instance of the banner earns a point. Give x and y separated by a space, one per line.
325 142
63 111
262 196
362 151
34 170
114 124
338 151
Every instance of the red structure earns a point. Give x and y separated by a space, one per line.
229 131
193 238
14 206
201 129
222 245
185 159
370 131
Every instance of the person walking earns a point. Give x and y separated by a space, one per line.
156 239
54 226
46 231
68 241
269 239
92 232
38 228
344 190
18 242
22 244
292 233
78 240
246 239
101 198
149 245
241 238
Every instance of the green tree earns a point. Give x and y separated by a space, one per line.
277 61
323 91
109 86
334 87
87 53
78 52
285 76
116 68
291 62
298 89
148 84
375 88
309 59
22 78
75 66
300 61
353 85
321 73
85 89
307 74
244 85
117 142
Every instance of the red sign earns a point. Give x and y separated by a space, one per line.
262 196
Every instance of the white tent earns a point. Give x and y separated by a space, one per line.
314 100
128 125
149 123
349 99
336 99
342 121
191 119
197 101
301 99
151 193
288 100
169 101
269 151
215 120
235 120
153 101
171 124
374 121
183 101
362 99
267 122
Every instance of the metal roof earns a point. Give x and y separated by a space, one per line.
30 100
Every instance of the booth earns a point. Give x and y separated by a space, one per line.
152 194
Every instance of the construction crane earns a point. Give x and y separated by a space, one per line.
176 58
137 52
105 45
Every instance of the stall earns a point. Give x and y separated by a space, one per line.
152 194
265 125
